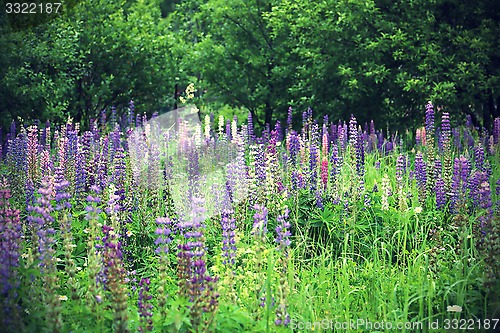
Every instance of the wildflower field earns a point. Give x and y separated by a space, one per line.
149 225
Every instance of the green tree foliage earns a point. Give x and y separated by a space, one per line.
377 58
99 54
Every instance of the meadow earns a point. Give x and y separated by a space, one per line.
161 225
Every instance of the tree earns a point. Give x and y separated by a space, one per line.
100 54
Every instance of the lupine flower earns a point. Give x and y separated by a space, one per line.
294 146
474 186
228 225
479 157
41 221
440 193
486 204
32 158
460 177
429 132
260 222
115 275
353 131
421 177
324 172
10 240
93 253
313 158
145 307
335 163
429 120
283 231
289 119
283 240
163 232
193 249
496 130
272 165
360 158
228 130
43 232
195 283
250 132
400 168
386 192
119 173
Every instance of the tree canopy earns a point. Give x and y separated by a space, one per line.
379 59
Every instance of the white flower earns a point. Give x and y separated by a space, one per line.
418 210
63 297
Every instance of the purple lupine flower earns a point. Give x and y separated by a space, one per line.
283 240
457 138
289 119
228 130
421 176
474 186
228 225
333 133
102 161
144 306
30 192
163 231
260 222
342 136
445 127
438 167
277 130
360 156
41 221
80 173
496 130
353 131
32 154
294 146
429 119
460 176
260 165
335 163
10 240
479 157
294 179
440 193
115 276
119 173
400 168
283 231
194 248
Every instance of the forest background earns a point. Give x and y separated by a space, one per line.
379 59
